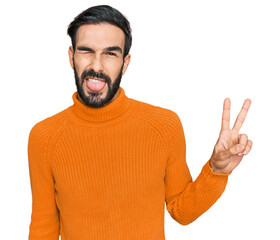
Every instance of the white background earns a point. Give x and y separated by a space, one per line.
187 56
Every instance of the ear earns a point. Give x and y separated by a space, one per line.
126 63
71 54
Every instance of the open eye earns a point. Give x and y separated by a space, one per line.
111 54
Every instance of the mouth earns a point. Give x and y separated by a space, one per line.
95 84
94 79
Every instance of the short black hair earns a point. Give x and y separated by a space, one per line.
101 14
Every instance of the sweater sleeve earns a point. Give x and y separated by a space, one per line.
186 199
45 216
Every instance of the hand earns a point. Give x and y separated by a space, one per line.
231 146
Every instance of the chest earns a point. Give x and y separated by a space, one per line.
119 162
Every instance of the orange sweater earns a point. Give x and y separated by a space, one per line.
106 173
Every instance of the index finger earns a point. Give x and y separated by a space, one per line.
226 114
242 115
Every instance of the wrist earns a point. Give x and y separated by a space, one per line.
217 170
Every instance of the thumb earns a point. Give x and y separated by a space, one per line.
234 150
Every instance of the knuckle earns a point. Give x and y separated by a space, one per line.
226 118
240 148
235 131
237 148
241 119
245 136
216 152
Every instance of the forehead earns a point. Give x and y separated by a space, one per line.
100 35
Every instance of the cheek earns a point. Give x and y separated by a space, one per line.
80 65
113 68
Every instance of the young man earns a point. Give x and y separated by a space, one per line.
104 167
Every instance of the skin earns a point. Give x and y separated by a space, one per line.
231 146
92 55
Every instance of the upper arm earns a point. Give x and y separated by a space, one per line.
44 218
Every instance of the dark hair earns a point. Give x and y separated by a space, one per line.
100 14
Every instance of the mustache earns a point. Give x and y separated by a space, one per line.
92 73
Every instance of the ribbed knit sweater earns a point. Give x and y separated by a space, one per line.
106 173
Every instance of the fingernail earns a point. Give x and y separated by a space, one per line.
239 154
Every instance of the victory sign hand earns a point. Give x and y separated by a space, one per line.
231 146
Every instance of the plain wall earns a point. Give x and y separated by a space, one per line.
187 56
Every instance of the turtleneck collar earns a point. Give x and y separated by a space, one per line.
111 111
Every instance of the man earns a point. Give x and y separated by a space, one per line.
104 167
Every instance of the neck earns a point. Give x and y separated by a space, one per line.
113 109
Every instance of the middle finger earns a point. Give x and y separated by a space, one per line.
242 115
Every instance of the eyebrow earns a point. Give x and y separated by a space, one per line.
113 48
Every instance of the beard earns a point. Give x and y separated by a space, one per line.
94 100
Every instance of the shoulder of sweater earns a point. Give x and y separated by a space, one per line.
44 128
155 114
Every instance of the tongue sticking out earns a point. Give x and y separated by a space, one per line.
95 86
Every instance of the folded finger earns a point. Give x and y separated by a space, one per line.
238 148
243 139
248 147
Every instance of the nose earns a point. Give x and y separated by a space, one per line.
97 63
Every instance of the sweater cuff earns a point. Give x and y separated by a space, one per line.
215 181
209 171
